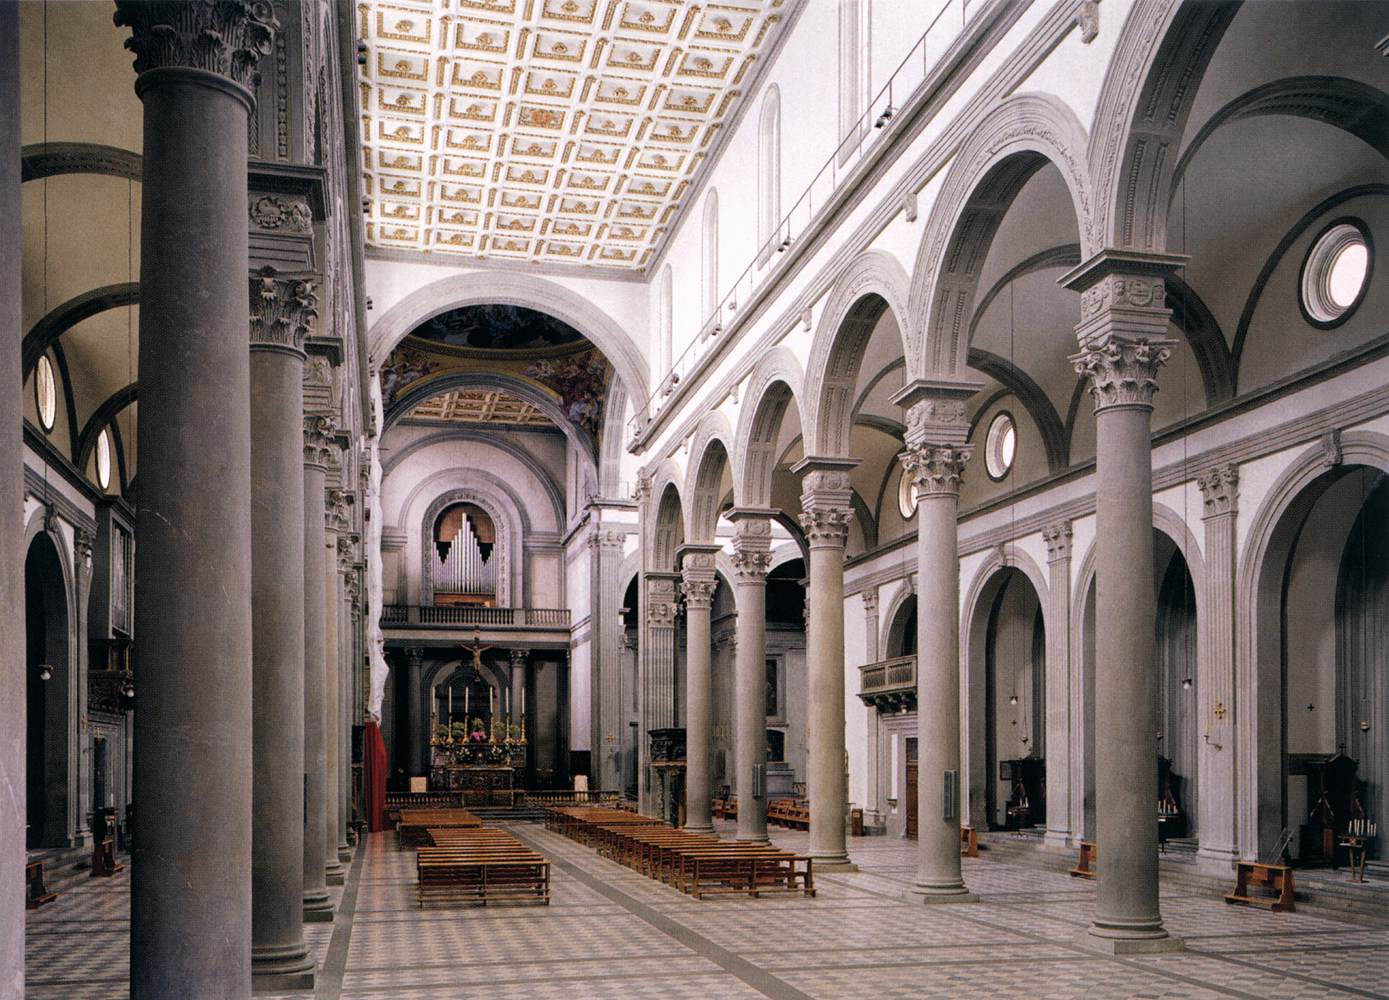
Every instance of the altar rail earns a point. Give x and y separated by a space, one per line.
889 685
411 614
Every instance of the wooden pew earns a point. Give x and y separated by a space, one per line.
1089 861
1275 878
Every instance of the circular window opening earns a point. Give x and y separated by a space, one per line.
1336 273
906 496
103 459
1001 446
46 393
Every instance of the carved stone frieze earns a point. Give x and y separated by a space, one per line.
936 469
226 37
1058 538
1123 372
1219 490
283 310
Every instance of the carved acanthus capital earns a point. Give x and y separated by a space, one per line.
319 437
1058 538
1219 490
936 469
283 310
226 37
1123 372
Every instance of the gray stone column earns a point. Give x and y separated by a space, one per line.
335 507
752 559
872 724
825 515
190 902
319 439
605 657
1063 733
282 310
697 587
418 732
935 457
1215 679
1122 347
13 733
658 677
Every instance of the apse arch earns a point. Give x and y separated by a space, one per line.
1023 134
872 284
775 384
1259 585
530 291
711 456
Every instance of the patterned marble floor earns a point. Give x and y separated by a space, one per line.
612 933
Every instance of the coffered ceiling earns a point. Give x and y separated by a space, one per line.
557 131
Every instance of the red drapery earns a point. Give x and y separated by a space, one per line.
374 777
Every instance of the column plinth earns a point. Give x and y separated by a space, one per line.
282 310
697 587
319 438
1122 348
190 900
752 558
825 515
935 459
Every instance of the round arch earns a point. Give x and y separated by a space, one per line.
1023 134
776 383
530 291
873 284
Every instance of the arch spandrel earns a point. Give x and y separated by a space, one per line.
872 284
776 384
1023 134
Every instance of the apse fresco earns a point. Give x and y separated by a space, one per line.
498 328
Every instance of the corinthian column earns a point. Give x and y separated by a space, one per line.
282 310
935 457
1121 332
825 515
697 571
190 906
752 558
320 438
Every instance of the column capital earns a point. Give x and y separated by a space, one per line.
224 38
283 310
752 543
1058 536
1122 371
936 410
661 603
1122 294
319 434
936 469
1220 490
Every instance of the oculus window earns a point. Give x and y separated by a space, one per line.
1000 446
45 393
1336 273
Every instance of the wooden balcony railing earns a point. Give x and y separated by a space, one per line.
454 615
889 685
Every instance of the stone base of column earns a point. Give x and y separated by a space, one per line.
334 873
929 894
318 908
1110 942
276 969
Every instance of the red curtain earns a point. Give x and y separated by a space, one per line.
374 777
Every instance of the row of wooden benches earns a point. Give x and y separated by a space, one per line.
696 864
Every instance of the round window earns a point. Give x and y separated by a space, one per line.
1336 273
103 459
45 393
906 496
1001 446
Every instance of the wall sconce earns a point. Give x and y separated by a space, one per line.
45 671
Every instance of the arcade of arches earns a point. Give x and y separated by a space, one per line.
849 431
